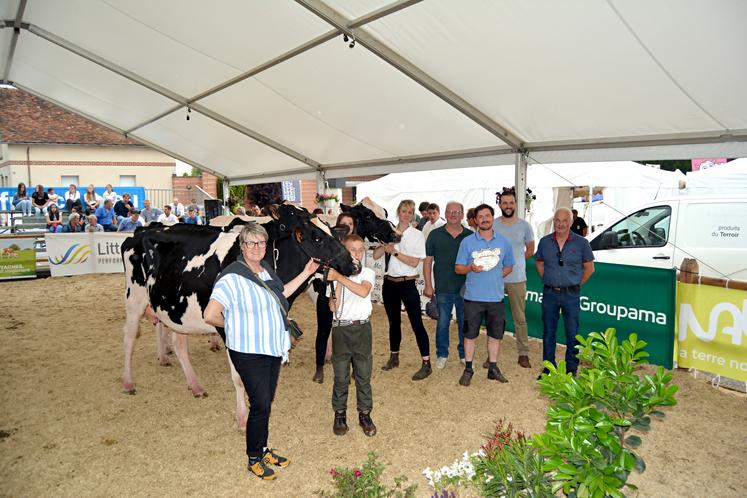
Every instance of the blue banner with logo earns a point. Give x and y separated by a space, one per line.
137 195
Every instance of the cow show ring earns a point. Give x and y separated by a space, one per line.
67 429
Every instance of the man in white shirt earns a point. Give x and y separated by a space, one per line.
177 208
434 220
167 217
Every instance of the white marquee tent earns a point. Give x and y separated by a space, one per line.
273 91
624 185
729 178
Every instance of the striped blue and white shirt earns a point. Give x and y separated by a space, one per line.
253 318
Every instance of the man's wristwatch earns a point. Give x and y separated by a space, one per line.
396 254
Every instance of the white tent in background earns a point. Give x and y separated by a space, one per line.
624 185
729 178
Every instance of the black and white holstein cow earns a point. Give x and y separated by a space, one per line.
170 271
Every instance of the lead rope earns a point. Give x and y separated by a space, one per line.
275 256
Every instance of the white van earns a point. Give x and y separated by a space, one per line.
662 233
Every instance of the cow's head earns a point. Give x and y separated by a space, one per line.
316 241
286 219
371 222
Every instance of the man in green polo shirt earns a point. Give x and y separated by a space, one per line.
441 249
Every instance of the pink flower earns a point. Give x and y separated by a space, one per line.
333 472
357 473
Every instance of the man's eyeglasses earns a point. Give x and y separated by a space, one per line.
251 244
560 258
453 213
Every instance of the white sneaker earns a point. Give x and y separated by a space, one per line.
440 362
462 361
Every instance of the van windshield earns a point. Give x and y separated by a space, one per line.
645 228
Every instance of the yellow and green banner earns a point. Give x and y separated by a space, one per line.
712 330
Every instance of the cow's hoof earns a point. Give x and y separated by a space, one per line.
130 391
165 362
215 349
202 394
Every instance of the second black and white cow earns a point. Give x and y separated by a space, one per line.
170 271
371 223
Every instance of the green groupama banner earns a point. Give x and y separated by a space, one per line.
626 298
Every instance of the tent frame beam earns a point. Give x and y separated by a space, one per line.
412 71
17 25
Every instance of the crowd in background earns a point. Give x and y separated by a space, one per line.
91 212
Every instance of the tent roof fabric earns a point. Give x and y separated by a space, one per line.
273 91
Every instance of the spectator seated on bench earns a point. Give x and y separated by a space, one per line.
105 216
91 199
40 200
73 225
131 223
72 199
92 225
192 217
122 209
22 201
168 218
54 219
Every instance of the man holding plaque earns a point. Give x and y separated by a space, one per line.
485 258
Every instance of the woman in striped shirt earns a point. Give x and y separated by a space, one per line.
256 336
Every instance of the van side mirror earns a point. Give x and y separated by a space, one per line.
609 240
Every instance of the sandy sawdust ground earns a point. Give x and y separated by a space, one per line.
67 429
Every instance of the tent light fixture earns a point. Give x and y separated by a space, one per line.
189 111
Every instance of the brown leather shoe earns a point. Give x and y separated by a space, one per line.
364 419
495 374
319 375
425 371
393 362
466 377
524 362
340 427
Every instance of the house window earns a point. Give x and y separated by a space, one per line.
70 180
127 180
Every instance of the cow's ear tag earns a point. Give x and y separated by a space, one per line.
298 235
274 213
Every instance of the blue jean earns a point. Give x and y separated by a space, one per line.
446 302
552 303
25 206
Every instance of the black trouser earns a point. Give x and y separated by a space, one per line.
393 294
70 204
323 326
259 373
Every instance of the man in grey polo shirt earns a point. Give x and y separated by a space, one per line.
486 258
521 236
564 262
149 213
441 250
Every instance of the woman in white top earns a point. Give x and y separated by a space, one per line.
399 287
110 195
91 199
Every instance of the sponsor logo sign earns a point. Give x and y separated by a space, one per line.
81 253
712 330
